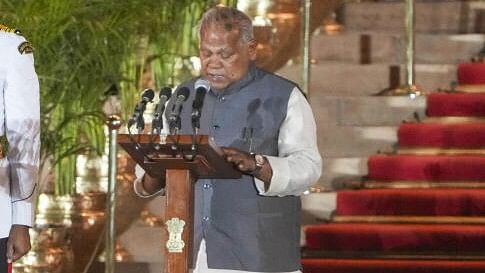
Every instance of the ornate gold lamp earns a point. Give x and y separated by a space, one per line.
278 27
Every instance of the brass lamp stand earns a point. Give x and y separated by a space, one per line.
114 124
409 89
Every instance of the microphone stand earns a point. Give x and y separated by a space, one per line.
140 123
174 132
195 133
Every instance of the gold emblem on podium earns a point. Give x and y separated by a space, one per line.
175 227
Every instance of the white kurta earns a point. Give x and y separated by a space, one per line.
20 122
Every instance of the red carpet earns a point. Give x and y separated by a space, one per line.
411 202
428 168
461 105
471 73
396 237
391 266
442 135
415 248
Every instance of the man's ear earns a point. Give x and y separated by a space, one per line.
252 45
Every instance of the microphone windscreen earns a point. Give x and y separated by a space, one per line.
202 83
199 98
165 91
148 95
183 91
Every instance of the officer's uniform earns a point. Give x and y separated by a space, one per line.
20 126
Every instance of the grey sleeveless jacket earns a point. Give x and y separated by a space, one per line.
242 229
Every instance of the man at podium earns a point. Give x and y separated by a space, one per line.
267 131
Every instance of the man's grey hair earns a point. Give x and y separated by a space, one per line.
228 18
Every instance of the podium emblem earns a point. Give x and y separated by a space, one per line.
175 227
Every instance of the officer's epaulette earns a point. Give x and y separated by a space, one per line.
4 28
25 47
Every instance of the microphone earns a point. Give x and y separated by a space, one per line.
137 117
174 117
201 87
157 122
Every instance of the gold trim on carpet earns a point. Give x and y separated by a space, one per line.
446 120
319 189
415 255
440 151
470 88
419 184
410 219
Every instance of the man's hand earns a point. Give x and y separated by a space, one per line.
245 162
242 161
18 243
152 184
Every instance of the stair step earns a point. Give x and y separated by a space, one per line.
431 17
339 170
470 88
365 111
415 184
455 119
415 135
344 141
394 266
411 202
410 219
450 239
389 48
440 151
318 207
366 80
426 168
456 105
394 255
471 73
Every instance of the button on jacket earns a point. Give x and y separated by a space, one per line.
20 123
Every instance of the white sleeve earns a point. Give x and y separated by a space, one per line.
22 128
138 186
140 172
298 164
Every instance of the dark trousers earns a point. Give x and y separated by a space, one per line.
3 255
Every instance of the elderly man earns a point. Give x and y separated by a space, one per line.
267 130
19 126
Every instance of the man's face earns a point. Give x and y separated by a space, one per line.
224 58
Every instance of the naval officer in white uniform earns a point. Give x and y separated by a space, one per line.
20 144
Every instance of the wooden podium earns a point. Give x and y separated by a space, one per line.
182 159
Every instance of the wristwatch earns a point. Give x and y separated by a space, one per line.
260 160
